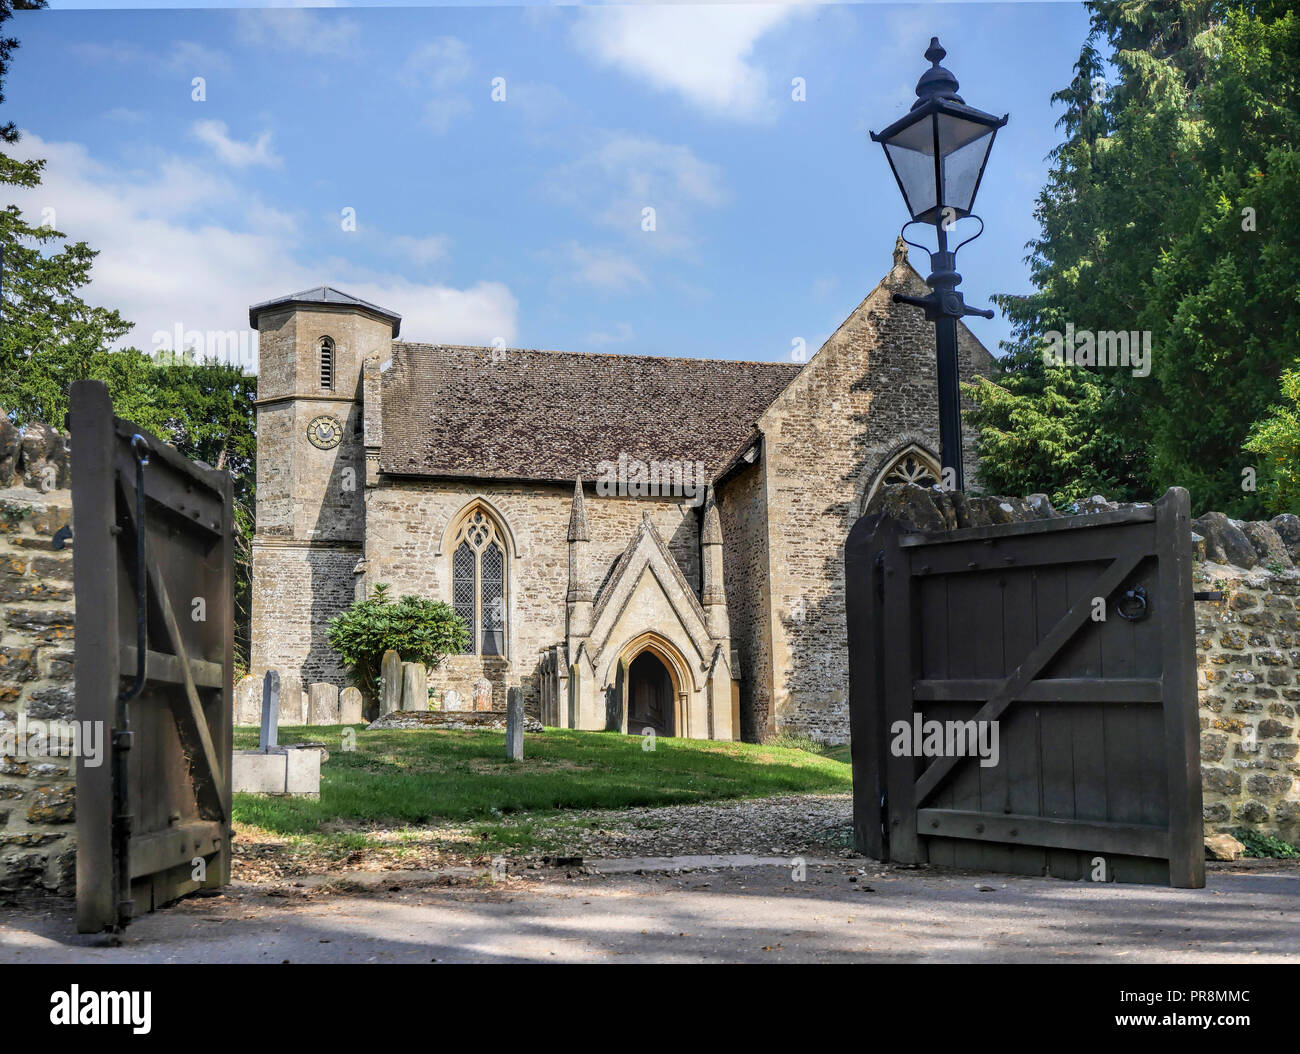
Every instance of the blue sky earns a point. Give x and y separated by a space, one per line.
521 220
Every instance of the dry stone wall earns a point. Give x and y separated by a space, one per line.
37 790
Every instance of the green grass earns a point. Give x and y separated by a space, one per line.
402 777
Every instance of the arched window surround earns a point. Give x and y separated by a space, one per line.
910 463
478 548
328 363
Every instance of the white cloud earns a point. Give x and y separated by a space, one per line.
436 67
437 64
439 314
440 114
704 53
599 268
164 261
620 334
627 174
421 250
194 59
296 29
232 151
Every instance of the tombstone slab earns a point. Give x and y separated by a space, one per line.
248 701
350 706
451 700
415 686
267 738
324 706
292 710
482 694
515 724
390 689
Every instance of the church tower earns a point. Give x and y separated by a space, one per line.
310 472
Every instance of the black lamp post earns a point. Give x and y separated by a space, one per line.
937 152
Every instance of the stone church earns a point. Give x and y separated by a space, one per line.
634 541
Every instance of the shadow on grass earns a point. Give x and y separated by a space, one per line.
424 775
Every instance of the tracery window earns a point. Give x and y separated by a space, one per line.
478 581
911 468
910 465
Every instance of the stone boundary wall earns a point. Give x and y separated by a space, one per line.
37 790
1248 646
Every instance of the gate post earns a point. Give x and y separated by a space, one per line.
1182 715
96 661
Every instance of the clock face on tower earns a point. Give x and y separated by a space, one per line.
324 432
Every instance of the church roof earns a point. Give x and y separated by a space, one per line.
491 413
324 294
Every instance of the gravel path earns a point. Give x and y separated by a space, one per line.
810 825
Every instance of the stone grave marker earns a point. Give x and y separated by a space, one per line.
415 686
350 706
390 692
248 700
324 708
451 700
270 711
515 724
482 694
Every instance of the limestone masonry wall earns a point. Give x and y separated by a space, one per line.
37 791
869 392
1248 657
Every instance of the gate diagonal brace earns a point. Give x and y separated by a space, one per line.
1071 622
190 719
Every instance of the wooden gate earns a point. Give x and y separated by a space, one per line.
153 822
1075 637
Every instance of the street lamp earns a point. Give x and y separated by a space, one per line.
937 152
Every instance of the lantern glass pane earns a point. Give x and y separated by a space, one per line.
912 153
965 146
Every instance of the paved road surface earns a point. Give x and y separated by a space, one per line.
754 913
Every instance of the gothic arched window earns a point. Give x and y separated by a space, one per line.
909 465
478 581
326 348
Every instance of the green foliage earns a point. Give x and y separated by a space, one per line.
1265 845
419 630
1277 440
1142 228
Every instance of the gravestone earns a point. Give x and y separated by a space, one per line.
270 711
350 706
248 700
324 708
415 686
292 711
451 700
515 724
482 694
390 691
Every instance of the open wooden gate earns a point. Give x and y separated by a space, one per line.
153 823
1098 762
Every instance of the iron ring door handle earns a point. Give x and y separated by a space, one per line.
1136 601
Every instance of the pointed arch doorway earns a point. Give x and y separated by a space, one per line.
650 696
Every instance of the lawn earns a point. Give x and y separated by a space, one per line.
411 777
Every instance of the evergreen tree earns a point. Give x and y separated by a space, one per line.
1140 229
